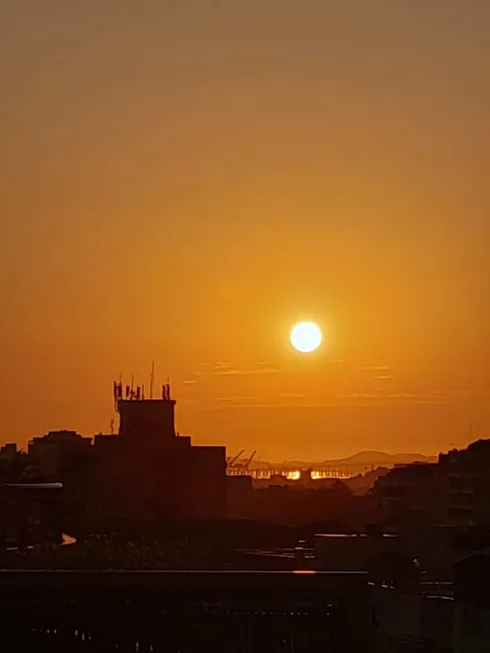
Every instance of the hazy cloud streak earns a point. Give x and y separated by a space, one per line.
241 372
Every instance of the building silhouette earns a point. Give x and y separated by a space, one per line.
148 472
466 477
66 457
452 493
408 497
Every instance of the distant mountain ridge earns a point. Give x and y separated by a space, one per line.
360 459
367 457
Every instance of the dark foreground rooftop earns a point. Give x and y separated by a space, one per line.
185 611
175 583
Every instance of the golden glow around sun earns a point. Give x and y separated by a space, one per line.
306 337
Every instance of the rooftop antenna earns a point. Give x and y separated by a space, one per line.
119 391
152 378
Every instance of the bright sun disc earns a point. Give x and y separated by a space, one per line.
306 337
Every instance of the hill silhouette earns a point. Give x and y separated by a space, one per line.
360 459
380 457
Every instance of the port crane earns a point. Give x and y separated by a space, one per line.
231 462
247 464
238 467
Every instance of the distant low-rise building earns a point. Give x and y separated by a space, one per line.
8 452
66 457
30 513
239 497
10 463
59 453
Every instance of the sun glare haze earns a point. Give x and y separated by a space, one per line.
183 181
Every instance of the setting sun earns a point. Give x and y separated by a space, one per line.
306 337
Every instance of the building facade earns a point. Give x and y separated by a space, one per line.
148 472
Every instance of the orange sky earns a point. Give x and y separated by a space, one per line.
183 180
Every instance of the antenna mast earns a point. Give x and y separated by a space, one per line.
152 378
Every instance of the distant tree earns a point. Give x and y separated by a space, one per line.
29 474
340 489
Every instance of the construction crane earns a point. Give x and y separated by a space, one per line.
238 468
247 464
231 463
